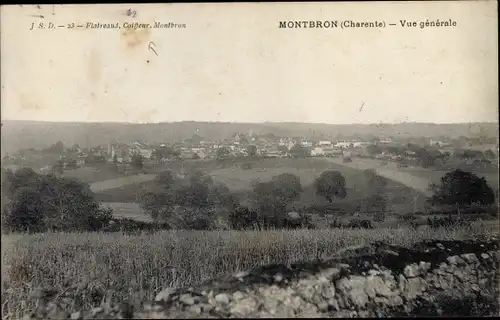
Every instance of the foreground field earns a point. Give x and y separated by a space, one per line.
93 266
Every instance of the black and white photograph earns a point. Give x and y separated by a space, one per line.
250 160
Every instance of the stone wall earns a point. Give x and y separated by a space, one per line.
445 278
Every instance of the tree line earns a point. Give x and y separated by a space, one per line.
33 202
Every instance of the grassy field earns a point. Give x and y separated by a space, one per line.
400 197
94 174
90 266
435 175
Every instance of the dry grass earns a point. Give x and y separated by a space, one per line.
91 266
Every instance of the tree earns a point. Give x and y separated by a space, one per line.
58 167
462 189
252 150
274 196
298 151
189 202
137 161
46 202
165 179
331 185
115 161
373 150
71 164
222 153
489 154
160 153
58 147
425 157
377 205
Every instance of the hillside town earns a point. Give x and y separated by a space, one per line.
405 152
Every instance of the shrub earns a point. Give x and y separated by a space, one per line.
192 202
243 218
360 224
331 184
462 189
447 223
39 203
273 197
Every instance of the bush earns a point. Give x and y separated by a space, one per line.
243 218
462 189
360 224
331 185
273 197
447 223
336 224
193 202
38 203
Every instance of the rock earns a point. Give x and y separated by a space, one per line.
459 274
187 299
165 294
238 295
278 277
328 292
395 301
415 287
76 315
330 273
469 257
322 306
222 298
207 308
455 260
424 266
333 303
411 271
354 288
485 255
379 286
373 272
402 283
196 309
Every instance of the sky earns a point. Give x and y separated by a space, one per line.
233 63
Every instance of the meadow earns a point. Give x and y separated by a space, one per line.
92 267
94 173
400 197
434 176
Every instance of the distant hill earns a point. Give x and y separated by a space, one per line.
27 134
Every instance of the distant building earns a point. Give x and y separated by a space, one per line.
306 143
325 143
438 143
343 144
